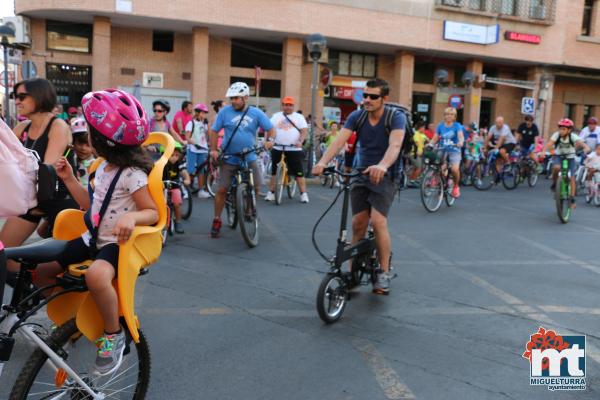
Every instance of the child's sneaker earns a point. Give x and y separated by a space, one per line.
110 352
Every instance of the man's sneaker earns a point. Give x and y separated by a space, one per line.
178 228
216 227
110 352
203 194
456 192
270 196
304 198
382 286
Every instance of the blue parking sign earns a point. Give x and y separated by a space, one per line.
528 105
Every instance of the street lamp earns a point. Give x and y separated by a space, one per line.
315 44
6 31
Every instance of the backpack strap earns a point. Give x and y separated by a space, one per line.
360 121
389 117
87 218
235 130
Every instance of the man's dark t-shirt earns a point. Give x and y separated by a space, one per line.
528 134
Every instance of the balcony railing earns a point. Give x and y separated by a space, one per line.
532 10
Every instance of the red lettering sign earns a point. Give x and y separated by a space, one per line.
342 92
522 37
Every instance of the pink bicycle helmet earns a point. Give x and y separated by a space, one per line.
566 122
78 125
201 107
117 116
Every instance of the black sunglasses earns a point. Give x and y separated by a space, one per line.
20 96
371 96
158 110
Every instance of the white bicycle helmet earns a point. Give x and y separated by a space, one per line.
238 89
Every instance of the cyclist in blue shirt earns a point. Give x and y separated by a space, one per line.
241 122
451 138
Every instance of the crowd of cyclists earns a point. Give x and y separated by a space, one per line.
112 124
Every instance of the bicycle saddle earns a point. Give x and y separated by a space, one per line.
43 251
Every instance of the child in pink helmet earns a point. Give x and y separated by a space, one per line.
120 200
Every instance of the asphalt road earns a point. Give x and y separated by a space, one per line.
474 282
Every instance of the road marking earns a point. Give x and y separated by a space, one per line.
587 228
386 377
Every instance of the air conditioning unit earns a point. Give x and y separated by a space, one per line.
22 26
538 12
324 57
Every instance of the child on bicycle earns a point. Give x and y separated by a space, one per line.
416 156
592 162
120 200
176 171
565 143
84 154
196 133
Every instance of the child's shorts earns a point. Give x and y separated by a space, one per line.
77 251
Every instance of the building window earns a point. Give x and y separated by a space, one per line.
453 3
268 87
353 64
67 36
424 72
569 111
492 73
163 41
478 5
72 82
588 111
537 9
249 54
506 7
586 26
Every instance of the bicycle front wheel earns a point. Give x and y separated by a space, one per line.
483 176
291 188
279 178
432 191
39 380
212 181
246 211
510 177
563 204
532 176
331 298
186 206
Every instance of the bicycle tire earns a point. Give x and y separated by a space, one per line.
246 214
532 176
279 177
428 184
212 182
510 177
291 189
450 200
165 230
59 339
230 209
171 226
597 198
563 208
188 202
486 178
324 295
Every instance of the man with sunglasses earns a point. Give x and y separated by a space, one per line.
378 150
291 129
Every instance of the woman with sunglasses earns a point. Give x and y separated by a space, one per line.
159 122
50 137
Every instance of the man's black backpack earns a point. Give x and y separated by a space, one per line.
390 109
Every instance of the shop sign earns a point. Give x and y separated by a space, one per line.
470 33
343 92
422 108
455 101
522 37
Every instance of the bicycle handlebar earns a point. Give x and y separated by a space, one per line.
243 153
331 170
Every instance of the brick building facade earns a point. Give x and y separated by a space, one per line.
548 49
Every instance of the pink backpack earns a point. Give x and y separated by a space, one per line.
18 175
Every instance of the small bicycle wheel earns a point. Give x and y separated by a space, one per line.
291 188
39 380
246 211
212 181
432 191
532 176
510 177
171 221
484 179
279 178
165 230
331 298
232 218
589 194
186 206
563 206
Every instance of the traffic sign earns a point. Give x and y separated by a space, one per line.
455 101
28 70
528 105
11 79
357 96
